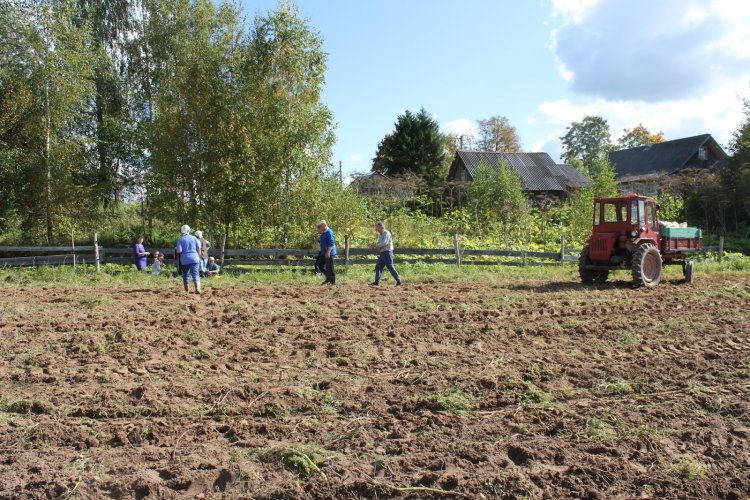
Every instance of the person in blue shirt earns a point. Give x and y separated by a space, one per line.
328 251
187 249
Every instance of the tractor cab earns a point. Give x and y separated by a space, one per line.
620 225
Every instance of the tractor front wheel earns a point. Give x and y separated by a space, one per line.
646 265
589 276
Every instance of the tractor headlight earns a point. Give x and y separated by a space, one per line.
633 233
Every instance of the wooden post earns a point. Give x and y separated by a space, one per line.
457 249
221 254
96 252
562 249
73 246
721 248
346 250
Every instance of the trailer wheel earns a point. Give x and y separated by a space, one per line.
646 265
589 276
690 271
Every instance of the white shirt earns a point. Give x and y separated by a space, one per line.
385 242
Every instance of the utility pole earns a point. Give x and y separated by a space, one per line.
341 174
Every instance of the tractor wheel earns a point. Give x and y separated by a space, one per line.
646 265
589 276
690 271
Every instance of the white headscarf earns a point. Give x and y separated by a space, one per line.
199 234
185 229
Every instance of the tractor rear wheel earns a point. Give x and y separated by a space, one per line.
589 276
646 265
690 271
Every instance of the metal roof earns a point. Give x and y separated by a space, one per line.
538 172
668 157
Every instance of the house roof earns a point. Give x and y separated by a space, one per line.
538 172
668 157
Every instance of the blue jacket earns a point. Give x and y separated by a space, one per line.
327 239
189 246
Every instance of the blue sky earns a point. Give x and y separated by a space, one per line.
677 66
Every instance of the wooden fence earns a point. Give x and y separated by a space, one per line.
96 255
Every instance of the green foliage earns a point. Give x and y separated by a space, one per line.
671 207
46 84
497 134
638 136
735 176
497 197
585 141
417 146
579 210
453 400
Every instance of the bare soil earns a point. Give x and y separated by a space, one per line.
479 390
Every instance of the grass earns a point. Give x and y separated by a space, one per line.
304 459
599 430
617 387
688 468
453 400
94 301
115 274
323 400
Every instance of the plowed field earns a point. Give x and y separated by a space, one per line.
491 389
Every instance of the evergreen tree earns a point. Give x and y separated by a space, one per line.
417 146
735 176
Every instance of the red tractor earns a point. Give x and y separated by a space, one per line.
626 235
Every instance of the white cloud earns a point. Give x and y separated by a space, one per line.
718 113
353 160
571 11
650 51
461 126
677 66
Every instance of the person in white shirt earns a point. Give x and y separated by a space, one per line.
384 246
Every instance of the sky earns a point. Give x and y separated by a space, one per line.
680 67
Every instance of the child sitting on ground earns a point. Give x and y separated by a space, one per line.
156 267
213 269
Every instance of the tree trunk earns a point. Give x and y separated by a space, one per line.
47 168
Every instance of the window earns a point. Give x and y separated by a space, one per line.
597 213
651 216
615 212
703 153
641 213
634 212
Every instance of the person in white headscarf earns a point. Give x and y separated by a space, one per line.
187 250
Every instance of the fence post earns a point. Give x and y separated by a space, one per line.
562 249
346 250
457 249
721 248
96 252
221 254
73 246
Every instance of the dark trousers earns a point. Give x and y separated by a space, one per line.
330 270
385 259
320 263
